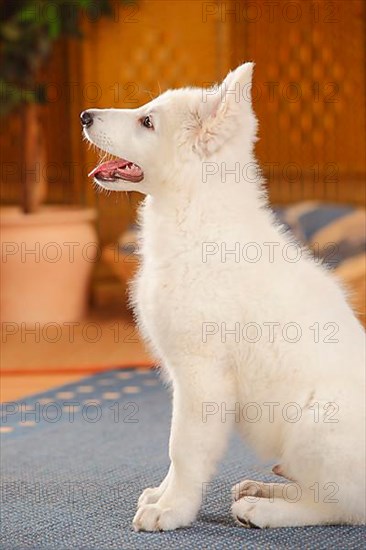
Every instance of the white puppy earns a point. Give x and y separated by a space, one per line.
251 330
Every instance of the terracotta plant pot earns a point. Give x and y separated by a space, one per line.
46 264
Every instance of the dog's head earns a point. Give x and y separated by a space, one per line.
168 138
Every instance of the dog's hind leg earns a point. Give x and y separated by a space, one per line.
251 488
279 512
279 471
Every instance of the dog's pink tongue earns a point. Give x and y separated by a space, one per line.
107 169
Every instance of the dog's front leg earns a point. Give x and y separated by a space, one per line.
198 438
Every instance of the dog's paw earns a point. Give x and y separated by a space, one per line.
150 496
246 488
154 517
254 512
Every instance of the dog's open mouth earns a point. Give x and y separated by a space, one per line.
115 170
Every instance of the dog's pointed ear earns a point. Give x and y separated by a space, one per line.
228 106
235 89
237 86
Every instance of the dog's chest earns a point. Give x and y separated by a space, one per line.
166 294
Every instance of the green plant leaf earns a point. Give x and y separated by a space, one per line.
28 30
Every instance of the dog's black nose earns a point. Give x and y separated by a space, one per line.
86 119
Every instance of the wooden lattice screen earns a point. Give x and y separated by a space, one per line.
311 96
309 91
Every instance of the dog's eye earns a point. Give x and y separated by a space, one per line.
147 122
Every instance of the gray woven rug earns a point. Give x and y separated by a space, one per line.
75 460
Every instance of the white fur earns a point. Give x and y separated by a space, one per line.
177 293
